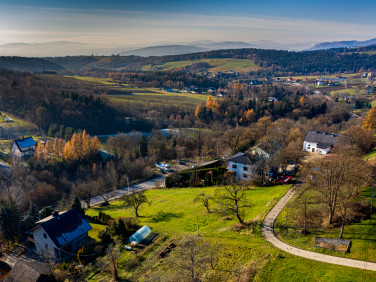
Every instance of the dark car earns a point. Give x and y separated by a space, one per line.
182 162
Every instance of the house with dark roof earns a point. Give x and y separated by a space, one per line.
60 235
23 147
266 149
320 142
30 271
243 164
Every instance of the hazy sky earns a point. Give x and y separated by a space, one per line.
151 21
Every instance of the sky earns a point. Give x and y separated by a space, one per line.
147 22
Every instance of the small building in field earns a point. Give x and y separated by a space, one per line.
243 164
23 147
60 235
140 235
320 142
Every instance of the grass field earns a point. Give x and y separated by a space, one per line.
152 96
173 213
362 234
216 65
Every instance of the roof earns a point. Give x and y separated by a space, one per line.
323 145
321 138
244 158
25 142
268 147
65 227
31 271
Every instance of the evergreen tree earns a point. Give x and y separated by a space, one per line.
143 146
77 204
10 219
33 213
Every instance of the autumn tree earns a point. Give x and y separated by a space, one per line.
369 122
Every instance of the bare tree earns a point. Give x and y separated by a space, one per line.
135 200
204 199
329 176
192 256
232 199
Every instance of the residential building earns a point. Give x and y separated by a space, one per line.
60 235
266 149
243 164
30 271
23 147
320 142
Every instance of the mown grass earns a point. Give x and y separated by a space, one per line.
173 213
216 65
361 234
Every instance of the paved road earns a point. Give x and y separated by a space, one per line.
120 192
4 165
267 230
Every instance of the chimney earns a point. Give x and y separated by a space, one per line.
55 214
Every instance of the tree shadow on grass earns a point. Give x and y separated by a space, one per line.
165 216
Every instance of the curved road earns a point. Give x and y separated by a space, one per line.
267 229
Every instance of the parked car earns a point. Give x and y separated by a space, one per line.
194 166
182 162
286 179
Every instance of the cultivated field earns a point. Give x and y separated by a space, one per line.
216 65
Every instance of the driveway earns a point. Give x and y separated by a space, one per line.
147 184
267 229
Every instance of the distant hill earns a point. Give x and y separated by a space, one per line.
343 44
28 64
163 50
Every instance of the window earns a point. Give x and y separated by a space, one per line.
245 168
46 246
245 175
45 235
234 166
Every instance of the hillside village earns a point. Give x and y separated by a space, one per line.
180 173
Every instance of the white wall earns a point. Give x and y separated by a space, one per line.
239 170
40 243
307 146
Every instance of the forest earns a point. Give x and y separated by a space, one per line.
278 62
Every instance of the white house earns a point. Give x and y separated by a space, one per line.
320 142
243 164
24 147
60 235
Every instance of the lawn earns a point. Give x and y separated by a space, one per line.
361 234
173 213
216 65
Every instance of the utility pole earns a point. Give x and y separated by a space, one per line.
113 266
128 184
197 227
372 197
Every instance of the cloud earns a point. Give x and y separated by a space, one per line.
31 24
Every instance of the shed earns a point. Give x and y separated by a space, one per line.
140 235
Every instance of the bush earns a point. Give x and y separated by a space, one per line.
193 177
102 218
